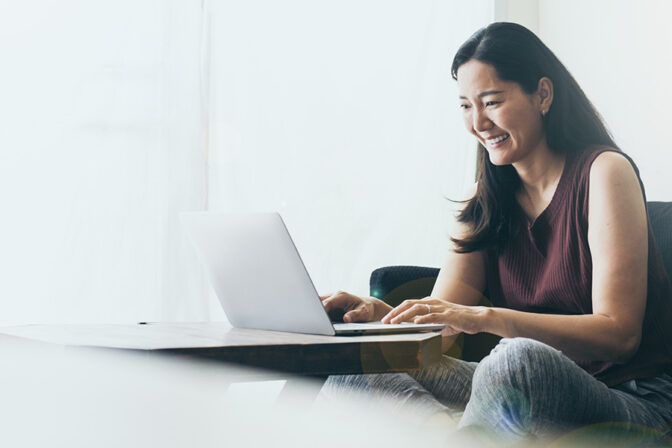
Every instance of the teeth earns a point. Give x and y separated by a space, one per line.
493 141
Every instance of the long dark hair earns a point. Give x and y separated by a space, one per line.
571 124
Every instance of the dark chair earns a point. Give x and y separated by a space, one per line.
393 284
660 216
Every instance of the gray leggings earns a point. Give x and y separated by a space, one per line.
522 388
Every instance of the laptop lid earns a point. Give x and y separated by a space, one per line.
260 279
256 272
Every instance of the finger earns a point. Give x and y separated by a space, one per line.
359 314
339 293
326 304
338 301
401 308
331 294
406 304
432 318
332 303
333 309
430 301
341 301
417 309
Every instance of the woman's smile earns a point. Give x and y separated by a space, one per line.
496 142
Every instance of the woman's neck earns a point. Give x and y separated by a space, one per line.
540 173
539 176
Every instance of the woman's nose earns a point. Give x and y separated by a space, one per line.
481 121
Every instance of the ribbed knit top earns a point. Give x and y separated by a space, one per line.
546 267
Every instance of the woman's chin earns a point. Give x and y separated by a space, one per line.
498 159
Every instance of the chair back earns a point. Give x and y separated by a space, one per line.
660 217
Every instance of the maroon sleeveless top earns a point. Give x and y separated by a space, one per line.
546 267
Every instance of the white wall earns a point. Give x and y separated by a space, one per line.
343 116
619 52
524 12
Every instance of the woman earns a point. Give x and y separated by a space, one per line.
557 231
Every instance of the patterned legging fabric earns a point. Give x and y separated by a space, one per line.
522 389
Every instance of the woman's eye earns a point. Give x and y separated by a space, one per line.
492 103
464 106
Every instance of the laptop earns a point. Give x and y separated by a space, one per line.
260 279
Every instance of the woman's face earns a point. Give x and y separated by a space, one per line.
505 120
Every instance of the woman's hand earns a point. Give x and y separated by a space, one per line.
350 308
457 318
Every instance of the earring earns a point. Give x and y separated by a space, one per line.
543 112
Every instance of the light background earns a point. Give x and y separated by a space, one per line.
116 116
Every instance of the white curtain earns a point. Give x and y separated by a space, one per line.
102 142
343 116
115 116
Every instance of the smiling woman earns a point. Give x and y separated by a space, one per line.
557 232
524 87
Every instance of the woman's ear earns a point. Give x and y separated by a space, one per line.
545 94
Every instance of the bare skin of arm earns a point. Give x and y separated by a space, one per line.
461 281
617 237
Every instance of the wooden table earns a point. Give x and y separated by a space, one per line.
290 354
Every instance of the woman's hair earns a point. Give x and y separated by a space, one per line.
571 124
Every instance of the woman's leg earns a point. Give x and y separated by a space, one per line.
527 388
449 381
442 387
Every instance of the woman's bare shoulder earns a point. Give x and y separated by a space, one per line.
612 166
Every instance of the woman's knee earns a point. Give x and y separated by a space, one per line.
521 363
518 374
511 384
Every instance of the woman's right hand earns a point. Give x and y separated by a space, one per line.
350 308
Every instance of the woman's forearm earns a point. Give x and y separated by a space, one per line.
581 337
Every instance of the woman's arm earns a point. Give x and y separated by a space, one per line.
618 242
461 279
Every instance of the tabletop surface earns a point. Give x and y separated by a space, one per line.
289 352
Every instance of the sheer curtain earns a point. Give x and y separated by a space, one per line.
116 116
102 142
343 116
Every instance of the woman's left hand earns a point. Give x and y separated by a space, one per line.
457 318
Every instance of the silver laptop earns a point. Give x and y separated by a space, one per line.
260 279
